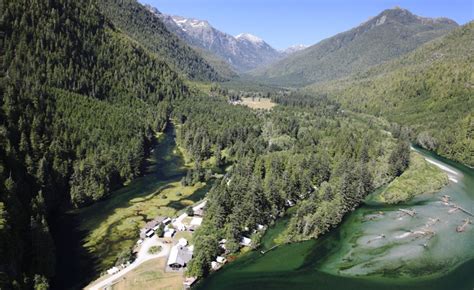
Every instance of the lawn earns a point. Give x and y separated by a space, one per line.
187 235
258 103
420 177
150 275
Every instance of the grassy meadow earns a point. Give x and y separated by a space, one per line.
150 275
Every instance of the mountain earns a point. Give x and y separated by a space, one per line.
294 48
390 34
80 102
243 52
141 25
430 91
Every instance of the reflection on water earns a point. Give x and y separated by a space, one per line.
414 246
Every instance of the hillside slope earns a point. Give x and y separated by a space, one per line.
392 33
140 24
431 90
79 104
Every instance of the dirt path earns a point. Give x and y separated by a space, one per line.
142 257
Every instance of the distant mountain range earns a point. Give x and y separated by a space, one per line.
243 52
390 34
138 23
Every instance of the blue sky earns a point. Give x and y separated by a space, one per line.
286 22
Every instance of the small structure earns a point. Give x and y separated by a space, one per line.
199 212
222 244
289 203
199 209
192 228
166 221
215 266
221 260
179 256
196 221
169 233
113 270
149 233
180 227
246 242
182 242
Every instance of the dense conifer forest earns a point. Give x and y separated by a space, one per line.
80 104
307 152
429 90
87 85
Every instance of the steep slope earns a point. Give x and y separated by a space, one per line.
140 24
430 90
79 104
243 52
392 33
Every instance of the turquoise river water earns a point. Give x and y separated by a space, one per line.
376 247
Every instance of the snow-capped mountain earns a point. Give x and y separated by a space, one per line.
244 51
294 48
250 38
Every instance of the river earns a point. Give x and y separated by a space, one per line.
371 250
75 265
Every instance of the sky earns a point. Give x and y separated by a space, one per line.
283 23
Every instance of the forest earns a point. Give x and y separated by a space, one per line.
429 91
314 155
86 86
80 104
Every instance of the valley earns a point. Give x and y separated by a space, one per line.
140 149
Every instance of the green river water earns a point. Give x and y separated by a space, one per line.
371 251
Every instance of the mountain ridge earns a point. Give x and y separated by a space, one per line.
138 23
391 33
429 91
243 52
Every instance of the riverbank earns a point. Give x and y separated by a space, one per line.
421 177
381 253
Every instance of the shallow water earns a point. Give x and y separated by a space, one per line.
371 250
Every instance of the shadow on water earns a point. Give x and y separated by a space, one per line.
75 266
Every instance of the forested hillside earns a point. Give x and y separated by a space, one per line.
390 34
308 152
80 102
143 26
430 90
